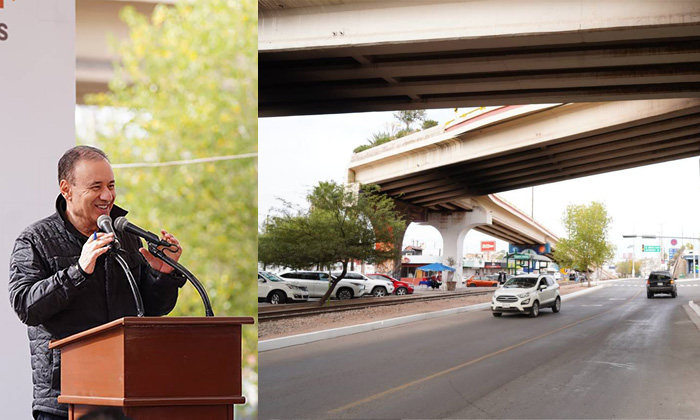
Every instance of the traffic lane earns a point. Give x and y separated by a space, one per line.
478 373
313 379
639 363
506 385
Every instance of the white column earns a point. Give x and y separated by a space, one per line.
454 228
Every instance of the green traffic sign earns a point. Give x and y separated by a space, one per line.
521 257
652 248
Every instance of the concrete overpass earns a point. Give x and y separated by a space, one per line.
333 56
446 176
96 21
519 146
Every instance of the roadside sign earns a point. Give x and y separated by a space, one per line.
488 246
674 242
672 252
652 248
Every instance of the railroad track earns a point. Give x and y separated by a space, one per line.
277 312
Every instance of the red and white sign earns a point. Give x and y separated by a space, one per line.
488 246
674 242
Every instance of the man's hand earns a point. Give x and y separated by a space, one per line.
158 264
92 249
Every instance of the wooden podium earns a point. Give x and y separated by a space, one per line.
155 368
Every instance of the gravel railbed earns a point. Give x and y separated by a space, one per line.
294 326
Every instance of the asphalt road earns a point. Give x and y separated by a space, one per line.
612 353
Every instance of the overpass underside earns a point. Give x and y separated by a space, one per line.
319 57
522 146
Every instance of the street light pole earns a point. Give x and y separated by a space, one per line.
634 249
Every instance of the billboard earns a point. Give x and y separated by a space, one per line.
539 249
488 246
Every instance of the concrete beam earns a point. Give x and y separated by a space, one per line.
321 25
97 21
355 56
495 137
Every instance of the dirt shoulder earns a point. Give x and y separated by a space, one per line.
294 326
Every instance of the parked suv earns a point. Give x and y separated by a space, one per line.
274 290
317 283
377 288
527 293
661 282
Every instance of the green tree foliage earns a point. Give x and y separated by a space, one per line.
428 124
340 226
625 267
377 138
408 118
186 88
587 243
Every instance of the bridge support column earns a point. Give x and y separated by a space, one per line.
454 228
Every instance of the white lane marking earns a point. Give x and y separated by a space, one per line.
591 305
628 366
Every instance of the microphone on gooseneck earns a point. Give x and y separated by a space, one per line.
104 222
122 225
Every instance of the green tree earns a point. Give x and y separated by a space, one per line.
586 245
407 118
428 123
380 137
625 267
339 226
185 89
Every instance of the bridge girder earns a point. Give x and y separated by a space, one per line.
334 56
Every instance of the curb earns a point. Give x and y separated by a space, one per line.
694 307
693 312
294 340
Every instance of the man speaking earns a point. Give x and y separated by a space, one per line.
63 281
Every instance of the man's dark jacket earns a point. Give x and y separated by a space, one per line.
56 299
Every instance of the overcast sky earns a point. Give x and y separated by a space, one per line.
298 152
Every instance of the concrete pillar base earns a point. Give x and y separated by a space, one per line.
454 228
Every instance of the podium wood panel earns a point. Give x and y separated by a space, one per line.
200 412
155 367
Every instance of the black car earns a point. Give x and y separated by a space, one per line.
661 282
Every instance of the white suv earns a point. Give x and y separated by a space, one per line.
317 284
274 290
377 288
527 293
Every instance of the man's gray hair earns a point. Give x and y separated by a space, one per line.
73 155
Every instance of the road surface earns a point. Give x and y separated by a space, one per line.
612 353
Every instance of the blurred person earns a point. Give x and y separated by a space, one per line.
62 281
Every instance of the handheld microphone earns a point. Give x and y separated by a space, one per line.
104 222
121 224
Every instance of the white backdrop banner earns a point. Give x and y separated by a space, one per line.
37 105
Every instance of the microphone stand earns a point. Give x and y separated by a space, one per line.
132 282
153 248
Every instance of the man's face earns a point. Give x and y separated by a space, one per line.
91 194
